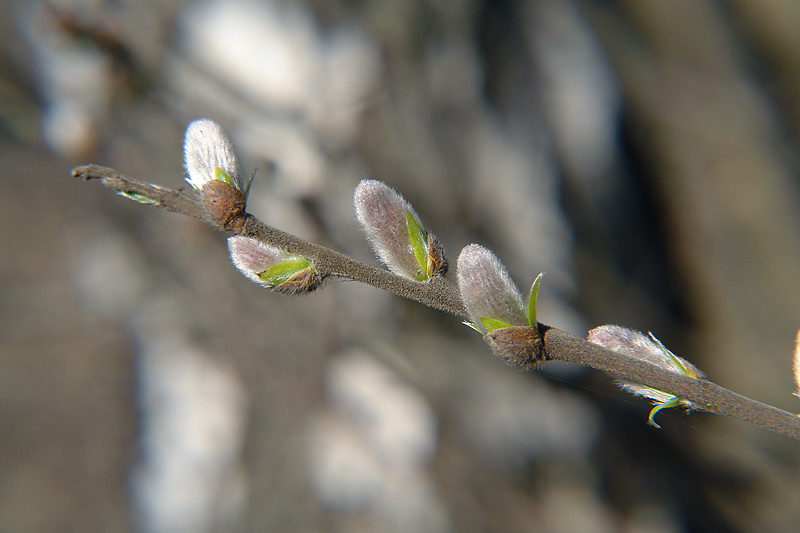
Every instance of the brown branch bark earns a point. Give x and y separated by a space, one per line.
443 295
703 394
437 293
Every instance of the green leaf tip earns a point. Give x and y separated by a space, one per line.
492 324
682 365
651 350
279 273
138 197
532 300
667 404
419 244
221 175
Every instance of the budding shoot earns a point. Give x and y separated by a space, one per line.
272 267
396 234
208 155
490 296
650 349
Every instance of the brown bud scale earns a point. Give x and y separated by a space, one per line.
519 346
437 262
223 204
302 282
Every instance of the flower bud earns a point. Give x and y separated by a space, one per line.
396 233
491 298
519 346
208 155
213 170
272 267
646 348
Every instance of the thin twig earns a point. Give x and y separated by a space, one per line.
169 199
437 293
703 394
443 295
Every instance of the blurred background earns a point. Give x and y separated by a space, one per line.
642 153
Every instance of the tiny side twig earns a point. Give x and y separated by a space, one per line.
443 295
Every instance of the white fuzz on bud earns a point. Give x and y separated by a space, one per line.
272 267
252 257
646 348
489 294
208 155
396 233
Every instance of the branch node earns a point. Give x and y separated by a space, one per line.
519 346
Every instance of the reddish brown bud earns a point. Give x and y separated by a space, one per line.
224 204
519 346
491 298
209 155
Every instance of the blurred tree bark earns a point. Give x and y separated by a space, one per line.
714 135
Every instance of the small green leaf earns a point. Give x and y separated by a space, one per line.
419 243
277 274
673 402
221 175
138 197
532 300
684 368
492 324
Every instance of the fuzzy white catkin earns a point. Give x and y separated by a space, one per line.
253 257
487 289
636 344
205 149
382 213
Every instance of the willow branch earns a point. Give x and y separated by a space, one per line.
555 345
703 394
172 200
437 293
